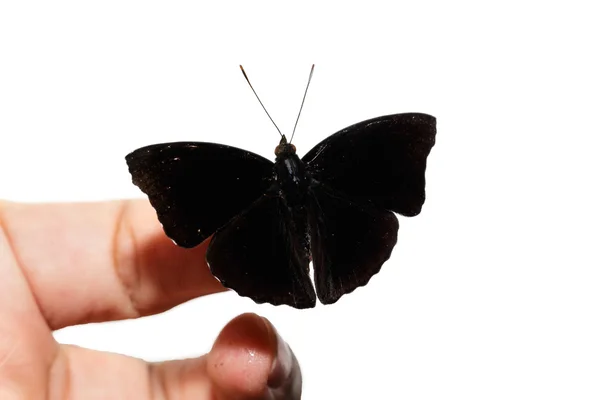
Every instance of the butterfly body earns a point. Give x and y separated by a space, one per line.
334 206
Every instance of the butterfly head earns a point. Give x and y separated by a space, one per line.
284 148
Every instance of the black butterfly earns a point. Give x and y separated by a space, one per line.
334 205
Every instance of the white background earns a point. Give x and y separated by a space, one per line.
491 293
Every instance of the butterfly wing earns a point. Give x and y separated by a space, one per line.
350 241
197 187
260 254
381 160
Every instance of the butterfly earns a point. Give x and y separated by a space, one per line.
268 220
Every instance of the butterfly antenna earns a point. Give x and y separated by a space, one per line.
263 106
303 98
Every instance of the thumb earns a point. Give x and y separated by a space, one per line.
250 360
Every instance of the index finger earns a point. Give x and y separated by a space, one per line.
92 262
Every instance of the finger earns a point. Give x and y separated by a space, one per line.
90 262
248 361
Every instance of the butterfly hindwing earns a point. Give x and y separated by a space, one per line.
349 241
381 160
261 254
196 188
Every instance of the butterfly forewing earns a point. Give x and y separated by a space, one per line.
349 241
261 255
197 187
381 161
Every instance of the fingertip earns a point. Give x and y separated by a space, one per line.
243 355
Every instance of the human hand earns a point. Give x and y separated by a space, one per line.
68 264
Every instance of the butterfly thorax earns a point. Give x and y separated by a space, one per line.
291 177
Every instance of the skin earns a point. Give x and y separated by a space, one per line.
69 264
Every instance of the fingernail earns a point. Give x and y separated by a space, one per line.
284 361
